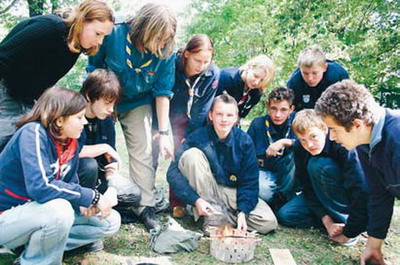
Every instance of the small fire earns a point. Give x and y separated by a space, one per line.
224 231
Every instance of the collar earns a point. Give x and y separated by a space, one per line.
376 136
228 141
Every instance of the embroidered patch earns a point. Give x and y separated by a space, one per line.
261 162
306 98
214 84
233 178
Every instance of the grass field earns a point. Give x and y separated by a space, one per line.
308 246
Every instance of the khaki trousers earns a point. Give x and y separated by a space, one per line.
195 166
136 126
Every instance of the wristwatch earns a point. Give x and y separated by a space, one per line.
166 132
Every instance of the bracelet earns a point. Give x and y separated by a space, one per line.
166 132
96 197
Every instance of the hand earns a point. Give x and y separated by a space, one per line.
241 221
165 147
372 253
112 156
339 239
104 207
203 208
274 148
337 229
111 196
88 212
111 169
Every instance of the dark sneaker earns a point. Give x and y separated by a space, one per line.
94 247
149 219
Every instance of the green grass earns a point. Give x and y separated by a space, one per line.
308 246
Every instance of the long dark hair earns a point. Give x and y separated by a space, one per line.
196 44
55 102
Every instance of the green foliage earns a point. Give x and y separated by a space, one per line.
362 35
75 77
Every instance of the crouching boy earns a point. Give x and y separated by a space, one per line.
356 120
273 139
99 162
334 192
216 171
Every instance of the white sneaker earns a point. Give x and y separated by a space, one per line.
351 242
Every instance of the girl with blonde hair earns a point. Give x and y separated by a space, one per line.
139 53
40 50
247 83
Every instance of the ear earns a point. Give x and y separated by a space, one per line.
210 116
291 109
87 98
186 54
60 121
358 124
325 67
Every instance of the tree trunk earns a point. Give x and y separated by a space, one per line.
36 7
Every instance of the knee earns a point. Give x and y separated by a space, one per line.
287 217
191 156
60 214
88 165
320 165
268 225
113 223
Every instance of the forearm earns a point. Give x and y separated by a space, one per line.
94 150
162 108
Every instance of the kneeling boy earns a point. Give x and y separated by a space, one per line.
216 171
273 139
356 120
334 192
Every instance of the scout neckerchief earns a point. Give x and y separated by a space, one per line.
128 52
65 152
268 132
191 91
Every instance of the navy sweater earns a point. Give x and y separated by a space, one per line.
257 132
28 170
205 90
231 81
380 161
233 156
306 96
352 178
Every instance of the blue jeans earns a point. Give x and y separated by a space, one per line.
11 111
281 180
326 180
48 229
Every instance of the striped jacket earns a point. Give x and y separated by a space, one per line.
28 170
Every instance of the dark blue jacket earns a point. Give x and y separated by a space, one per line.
306 96
352 178
99 132
205 90
29 167
233 156
380 161
257 132
231 81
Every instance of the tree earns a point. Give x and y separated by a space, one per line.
362 35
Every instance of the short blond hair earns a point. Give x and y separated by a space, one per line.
261 62
150 25
305 120
312 55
